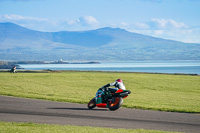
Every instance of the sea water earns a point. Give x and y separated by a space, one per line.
186 67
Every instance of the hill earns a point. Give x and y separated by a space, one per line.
105 44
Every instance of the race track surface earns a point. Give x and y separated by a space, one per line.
38 111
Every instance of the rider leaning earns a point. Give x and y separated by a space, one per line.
118 85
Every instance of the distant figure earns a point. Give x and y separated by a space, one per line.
13 70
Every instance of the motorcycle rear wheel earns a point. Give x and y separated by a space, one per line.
116 104
92 103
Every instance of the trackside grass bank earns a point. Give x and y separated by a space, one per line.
7 127
178 93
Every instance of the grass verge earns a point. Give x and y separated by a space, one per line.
176 93
11 127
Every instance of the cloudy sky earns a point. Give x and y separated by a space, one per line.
169 19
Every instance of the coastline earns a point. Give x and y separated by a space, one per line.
60 71
11 64
157 67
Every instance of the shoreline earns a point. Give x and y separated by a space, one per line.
177 68
59 71
11 64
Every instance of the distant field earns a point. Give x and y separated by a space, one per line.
178 93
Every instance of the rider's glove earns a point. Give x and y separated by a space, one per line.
105 89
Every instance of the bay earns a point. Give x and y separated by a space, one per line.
185 67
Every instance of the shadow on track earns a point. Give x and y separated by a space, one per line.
80 109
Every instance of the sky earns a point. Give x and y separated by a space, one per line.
168 19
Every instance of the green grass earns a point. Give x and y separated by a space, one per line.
178 93
7 127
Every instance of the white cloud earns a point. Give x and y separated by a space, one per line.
88 21
81 23
177 24
29 22
142 25
14 17
124 24
72 21
160 24
158 32
166 23
167 29
43 24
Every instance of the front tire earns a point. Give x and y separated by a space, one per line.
116 104
92 103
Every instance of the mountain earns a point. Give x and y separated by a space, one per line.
105 44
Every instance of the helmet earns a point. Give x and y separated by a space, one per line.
118 80
119 84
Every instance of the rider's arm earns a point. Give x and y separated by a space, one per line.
113 84
108 85
103 88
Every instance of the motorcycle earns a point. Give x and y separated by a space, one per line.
13 70
112 99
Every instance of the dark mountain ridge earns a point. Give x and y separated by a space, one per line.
19 43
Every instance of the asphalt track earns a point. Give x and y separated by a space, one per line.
39 111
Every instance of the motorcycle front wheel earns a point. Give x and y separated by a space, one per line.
114 105
92 103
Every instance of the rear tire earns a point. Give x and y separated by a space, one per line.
92 103
116 104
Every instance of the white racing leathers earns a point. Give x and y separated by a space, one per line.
117 85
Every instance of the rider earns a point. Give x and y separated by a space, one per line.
13 70
118 85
